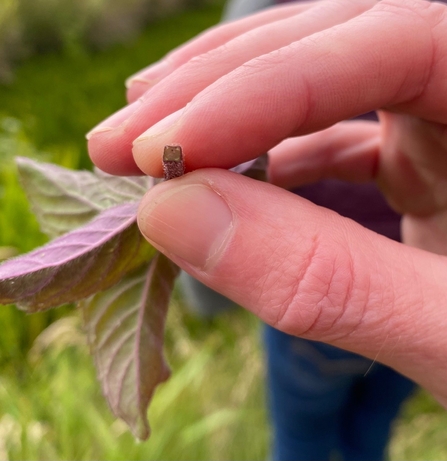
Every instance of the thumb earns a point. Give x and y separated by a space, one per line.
305 270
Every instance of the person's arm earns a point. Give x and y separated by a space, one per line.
299 267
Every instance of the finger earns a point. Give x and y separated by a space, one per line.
110 146
304 269
140 82
414 169
309 85
348 151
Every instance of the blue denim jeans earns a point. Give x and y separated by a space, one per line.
326 403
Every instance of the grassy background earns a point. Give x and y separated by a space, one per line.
50 404
35 26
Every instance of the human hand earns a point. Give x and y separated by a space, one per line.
301 268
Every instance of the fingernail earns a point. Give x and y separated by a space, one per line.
190 221
151 74
160 128
114 120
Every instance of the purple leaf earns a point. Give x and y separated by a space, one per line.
125 188
64 199
107 256
125 328
61 199
77 264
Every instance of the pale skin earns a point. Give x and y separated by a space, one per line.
284 81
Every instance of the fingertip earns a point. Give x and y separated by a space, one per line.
114 121
147 157
107 157
147 149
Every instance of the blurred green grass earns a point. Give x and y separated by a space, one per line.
28 27
50 403
211 408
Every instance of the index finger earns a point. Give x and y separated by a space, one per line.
391 57
140 82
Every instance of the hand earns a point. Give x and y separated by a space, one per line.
284 73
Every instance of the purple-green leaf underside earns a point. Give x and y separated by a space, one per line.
100 258
64 199
125 188
125 329
77 264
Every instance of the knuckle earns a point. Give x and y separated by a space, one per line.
326 299
215 56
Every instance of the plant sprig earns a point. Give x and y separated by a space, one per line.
99 260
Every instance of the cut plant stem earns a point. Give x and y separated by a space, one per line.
173 165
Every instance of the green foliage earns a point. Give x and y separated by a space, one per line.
19 232
10 42
35 26
420 432
54 410
13 203
58 98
